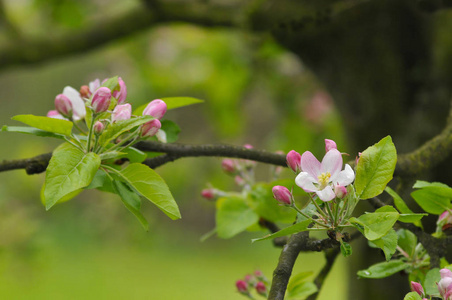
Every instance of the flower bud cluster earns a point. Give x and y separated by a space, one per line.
107 106
256 281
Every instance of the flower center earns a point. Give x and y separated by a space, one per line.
323 180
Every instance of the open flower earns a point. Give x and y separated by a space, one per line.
322 177
445 284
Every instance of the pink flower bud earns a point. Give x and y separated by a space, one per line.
228 165
248 146
239 180
417 287
242 286
155 108
63 105
329 145
261 288
445 284
122 93
121 112
208 194
84 91
94 85
259 273
101 99
282 194
98 127
150 128
293 160
340 191
249 278
54 114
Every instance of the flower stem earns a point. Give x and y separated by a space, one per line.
90 133
308 217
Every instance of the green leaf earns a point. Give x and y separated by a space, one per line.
171 103
233 216
263 203
102 182
298 279
111 83
346 249
301 291
151 186
298 227
422 184
434 200
32 131
47 124
407 241
384 269
407 215
111 155
387 243
375 225
134 155
431 278
64 199
69 170
375 168
120 127
412 296
171 129
131 201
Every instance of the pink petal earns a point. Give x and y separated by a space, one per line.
310 164
345 177
327 194
305 181
332 162
445 273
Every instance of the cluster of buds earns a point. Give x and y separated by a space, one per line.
256 281
445 284
107 106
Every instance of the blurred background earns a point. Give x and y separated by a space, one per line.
255 92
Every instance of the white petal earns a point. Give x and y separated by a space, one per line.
327 194
94 85
305 181
332 162
78 105
310 164
345 177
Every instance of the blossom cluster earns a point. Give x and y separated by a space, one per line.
107 106
444 286
256 281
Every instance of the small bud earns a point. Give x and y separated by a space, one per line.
248 146
54 114
150 128
121 112
208 194
155 108
330 145
249 278
84 91
101 99
340 191
293 160
228 165
261 288
282 194
357 159
122 93
63 105
259 274
242 286
98 127
239 180
417 287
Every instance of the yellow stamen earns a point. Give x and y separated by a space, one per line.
323 180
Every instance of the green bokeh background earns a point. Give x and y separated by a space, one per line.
91 247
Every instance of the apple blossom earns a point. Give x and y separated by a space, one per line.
293 160
242 286
321 177
261 288
417 287
122 93
98 127
63 105
445 284
150 128
94 85
78 105
340 191
101 99
156 108
228 165
208 194
55 114
84 91
329 145
282 194
121 112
